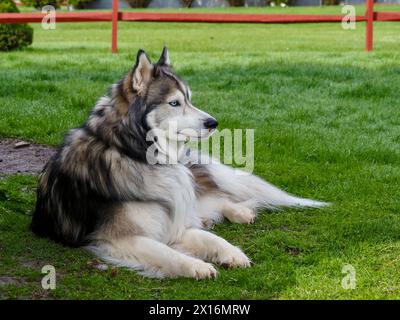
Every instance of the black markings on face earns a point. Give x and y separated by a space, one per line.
99 112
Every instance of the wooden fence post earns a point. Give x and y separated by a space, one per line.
114 36
369 16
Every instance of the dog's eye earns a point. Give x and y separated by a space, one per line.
174 103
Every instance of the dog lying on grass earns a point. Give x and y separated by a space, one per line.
104 190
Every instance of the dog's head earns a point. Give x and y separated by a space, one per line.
162 101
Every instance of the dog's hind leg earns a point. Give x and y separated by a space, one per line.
152 258
214 208
238 212
206 245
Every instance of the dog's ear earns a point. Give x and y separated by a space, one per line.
142 72
164 59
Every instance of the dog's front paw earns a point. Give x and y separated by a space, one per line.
241 214
233 257
201 270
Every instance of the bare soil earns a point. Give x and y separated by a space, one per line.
28 160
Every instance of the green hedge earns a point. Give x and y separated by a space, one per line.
39 4
78 3
13 36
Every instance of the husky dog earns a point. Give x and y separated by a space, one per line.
101 192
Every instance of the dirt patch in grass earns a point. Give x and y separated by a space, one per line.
8 280
293 251
29 159
35 265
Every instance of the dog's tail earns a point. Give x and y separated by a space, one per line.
254 191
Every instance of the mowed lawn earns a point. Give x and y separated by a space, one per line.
327 126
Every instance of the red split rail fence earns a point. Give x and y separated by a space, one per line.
114 16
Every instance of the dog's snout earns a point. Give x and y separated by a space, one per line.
211 123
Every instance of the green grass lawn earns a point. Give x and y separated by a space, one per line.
327 126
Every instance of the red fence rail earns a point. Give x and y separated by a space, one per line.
232 17
114 16
174 17
61 17
387 16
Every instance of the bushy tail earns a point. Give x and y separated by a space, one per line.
254 191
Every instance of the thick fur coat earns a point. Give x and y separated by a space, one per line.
101 191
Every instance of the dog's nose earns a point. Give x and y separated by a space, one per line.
211 123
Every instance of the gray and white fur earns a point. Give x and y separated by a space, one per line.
99 190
